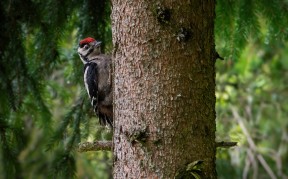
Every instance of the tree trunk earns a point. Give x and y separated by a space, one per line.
164 88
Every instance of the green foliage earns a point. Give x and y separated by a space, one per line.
252 88
44 113
192 170
95 22
240 22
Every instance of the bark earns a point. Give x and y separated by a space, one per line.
164 89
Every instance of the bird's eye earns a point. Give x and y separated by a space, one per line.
86 46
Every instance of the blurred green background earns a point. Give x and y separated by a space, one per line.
45 112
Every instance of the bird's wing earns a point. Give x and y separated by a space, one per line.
91 84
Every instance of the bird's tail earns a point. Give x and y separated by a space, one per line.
104 119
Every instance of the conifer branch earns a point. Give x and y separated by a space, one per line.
94 146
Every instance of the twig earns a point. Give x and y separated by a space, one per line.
226 144
252 144
246 168
254 164
94 146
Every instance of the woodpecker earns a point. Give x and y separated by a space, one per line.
97 79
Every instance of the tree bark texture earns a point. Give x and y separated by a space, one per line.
164 90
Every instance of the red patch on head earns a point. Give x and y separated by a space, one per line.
86 40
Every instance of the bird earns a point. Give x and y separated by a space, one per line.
97 79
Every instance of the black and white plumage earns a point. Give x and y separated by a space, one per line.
97 79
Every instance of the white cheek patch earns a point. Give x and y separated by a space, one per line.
81 58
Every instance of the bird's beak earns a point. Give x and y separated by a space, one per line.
98 43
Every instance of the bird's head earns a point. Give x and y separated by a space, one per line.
88 48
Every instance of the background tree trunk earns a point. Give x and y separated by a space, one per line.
164 87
